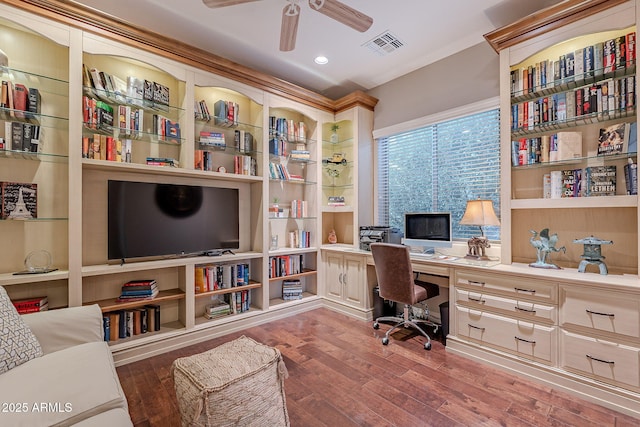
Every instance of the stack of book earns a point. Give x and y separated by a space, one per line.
138 290
163 161
212 139
291 290
217 308
31 305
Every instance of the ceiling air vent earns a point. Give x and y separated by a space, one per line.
384 43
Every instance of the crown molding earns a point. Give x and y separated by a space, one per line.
546 20
103 24
355 99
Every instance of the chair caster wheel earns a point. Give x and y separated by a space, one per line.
385 341
427 346
376 325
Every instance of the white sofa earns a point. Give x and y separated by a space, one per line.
74 382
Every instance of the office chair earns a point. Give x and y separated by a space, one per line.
396 283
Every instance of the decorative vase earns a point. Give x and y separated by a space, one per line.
332 238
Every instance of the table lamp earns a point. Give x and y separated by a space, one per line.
480 213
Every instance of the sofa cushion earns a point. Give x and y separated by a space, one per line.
64 387
17 343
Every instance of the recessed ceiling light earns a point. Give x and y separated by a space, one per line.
321 60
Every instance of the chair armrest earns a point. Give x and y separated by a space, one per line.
66 327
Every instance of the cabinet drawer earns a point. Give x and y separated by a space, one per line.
617 313
599 359
524 339
534 311
511 286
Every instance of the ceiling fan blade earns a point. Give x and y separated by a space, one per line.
342 13
289 28
223 3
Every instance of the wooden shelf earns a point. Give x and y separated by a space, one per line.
294 276
577 202
7 279
251 285
111 304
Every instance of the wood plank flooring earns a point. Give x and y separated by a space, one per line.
341 375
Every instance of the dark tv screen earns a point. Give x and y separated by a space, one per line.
151 220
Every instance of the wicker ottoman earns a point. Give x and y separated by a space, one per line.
239 383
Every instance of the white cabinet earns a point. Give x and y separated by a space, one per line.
507 313
601 335
345 278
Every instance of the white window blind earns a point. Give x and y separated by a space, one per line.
438 168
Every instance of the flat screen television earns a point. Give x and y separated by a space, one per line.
428 230
147 219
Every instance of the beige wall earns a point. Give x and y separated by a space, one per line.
468 76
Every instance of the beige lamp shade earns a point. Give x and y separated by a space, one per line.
479 212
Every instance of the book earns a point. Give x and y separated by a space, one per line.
614 139
122 324
600 181
568 145
609 56
35 302
161 96
135 90
556 184
19 200
33 103
153 313
571 182
147 94
222 113
17 140
139 282
27 310
172 131
631 177
114 326
106 327
20 100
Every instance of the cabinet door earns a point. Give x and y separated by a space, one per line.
334 274
354 280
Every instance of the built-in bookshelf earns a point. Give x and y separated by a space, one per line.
293 191
132 112
113 108
564 99
228 132
339 196
34 158
226 289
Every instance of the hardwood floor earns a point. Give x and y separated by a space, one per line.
341 375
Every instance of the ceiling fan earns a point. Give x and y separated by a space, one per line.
334 9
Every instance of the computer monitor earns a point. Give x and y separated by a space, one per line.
428 230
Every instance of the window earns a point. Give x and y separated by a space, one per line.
438 168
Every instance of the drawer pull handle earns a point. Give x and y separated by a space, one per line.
600 314
473 282
609 362
531 291
475 327
525 309
480 300
523 340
